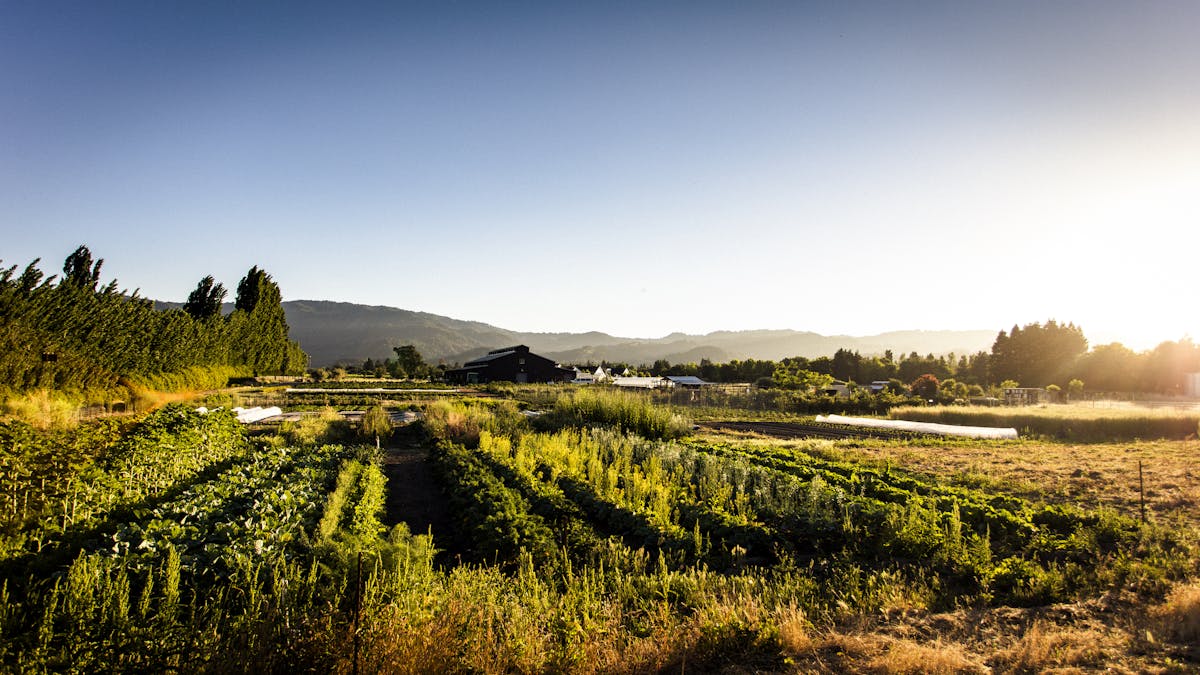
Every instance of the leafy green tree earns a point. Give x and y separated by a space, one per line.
71 336
1037 354
258 320
79 271
1164 366
254 288
1111 367
205 301
409 362
1075 388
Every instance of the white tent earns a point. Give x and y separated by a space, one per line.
921 427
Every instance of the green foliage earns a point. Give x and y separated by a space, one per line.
462 422
327 426
205 301
54 481
629 411
577 543
1075 388
44 409
74 337
1037 354
493 520
408 363
376 424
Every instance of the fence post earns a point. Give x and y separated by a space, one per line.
1142 491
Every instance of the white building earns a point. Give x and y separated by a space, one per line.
641 382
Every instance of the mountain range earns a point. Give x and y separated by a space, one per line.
345 333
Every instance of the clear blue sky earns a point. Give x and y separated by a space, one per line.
635 168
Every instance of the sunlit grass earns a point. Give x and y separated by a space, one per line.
44 409
1072 423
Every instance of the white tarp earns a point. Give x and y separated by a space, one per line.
922 427
249 415
256 414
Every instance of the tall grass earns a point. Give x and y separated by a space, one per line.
325 427
1068 423
626 410
462 422
44 409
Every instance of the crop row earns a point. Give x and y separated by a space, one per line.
226 559
729 505
52 484
254 509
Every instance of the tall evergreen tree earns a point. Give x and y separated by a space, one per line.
1037 355
205 301
79 271
254 288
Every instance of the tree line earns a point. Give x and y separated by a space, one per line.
70 333
1034 355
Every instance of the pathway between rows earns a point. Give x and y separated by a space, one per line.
413 493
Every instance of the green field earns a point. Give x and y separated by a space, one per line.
601 536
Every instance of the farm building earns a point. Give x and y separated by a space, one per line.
687 382
641 382
837 388
1025 396
510 364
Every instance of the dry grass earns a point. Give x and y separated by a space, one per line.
1178 618
1048 648
878 654
1067 422
44 409
1088 475
905 657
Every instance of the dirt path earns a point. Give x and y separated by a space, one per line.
413 493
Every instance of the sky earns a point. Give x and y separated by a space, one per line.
637 168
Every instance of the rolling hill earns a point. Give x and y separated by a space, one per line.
341 332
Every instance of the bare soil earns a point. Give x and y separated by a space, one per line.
414 496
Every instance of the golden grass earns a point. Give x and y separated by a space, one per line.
44 409
1045 647
1074 423
834 651
1053 411
1178 619
906 657
1088 475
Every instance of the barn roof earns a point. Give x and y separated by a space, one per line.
686 379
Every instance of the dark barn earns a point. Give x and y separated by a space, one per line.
511 364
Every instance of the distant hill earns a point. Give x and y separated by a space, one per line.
342 332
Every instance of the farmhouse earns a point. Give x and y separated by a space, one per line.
510 364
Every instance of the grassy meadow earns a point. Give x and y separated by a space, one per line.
603 535
1079 423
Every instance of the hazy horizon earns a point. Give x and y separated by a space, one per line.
629 169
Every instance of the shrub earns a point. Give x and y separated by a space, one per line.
627 411
325 427
376 424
